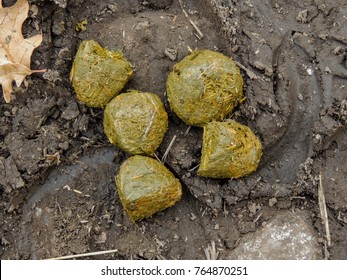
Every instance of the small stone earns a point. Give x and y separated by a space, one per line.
71 112
272 201
253 208
327 70
288 236
309 71
171 53
302 16
14 110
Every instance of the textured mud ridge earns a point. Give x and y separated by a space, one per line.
57 167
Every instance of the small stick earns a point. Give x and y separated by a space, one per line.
200 34
323 210
249 73
168 148
85 255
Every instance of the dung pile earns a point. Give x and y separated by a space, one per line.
203 89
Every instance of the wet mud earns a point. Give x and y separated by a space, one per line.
57 167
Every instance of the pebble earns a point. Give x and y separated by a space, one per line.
288 236
171 53
71 112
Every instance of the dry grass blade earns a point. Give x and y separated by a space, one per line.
200 35
193 168
211 252
323 210
168 149
188 130
85 255
148 126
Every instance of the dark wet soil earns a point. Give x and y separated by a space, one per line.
57 167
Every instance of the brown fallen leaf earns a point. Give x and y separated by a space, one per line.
15 50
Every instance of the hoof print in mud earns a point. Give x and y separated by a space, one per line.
98 74
145 187
229 150
136 122
293 55
204 86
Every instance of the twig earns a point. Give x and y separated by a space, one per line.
249 73
85 255
323 210
200 35
168 149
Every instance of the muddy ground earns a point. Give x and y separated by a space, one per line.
57 167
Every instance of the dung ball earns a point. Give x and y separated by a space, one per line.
145 187
204 86
98 74
136 122
229 150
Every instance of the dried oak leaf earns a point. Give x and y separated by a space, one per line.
15 50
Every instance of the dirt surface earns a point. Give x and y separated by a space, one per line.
57 167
